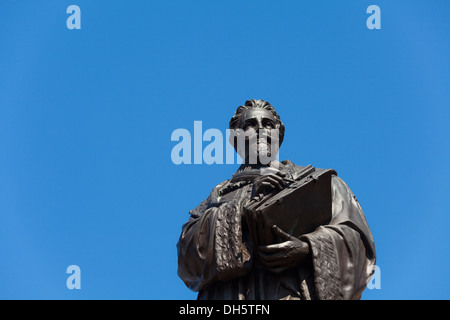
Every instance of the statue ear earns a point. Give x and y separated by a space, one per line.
281 129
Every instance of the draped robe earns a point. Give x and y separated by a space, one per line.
216 253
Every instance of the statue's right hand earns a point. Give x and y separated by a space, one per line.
268 182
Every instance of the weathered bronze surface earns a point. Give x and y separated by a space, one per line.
276 230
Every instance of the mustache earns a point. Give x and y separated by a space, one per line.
262 137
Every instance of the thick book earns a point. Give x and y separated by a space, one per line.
301 207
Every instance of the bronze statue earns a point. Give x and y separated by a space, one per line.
275 230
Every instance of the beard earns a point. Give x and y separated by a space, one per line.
258 148
261 151
264 148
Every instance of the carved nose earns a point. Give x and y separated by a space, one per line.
259 125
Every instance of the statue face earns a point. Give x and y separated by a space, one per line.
258 125
256 118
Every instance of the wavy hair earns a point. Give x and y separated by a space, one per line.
235 122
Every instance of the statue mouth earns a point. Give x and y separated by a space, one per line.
260 138
260 143
266 140
259 147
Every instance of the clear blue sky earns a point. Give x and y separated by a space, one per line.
86 116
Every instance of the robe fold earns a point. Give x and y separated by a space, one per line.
216 253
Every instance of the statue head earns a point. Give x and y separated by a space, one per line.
260 127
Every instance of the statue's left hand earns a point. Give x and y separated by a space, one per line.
280 257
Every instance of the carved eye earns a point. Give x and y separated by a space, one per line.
249 124
267 123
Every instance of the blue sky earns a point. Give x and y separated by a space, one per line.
86 117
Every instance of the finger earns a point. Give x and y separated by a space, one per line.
275 267
268 249
271 170
270 258
278 181
278 178
278 232
273 248
275 182
270 261
261 186
288 180
265 185
273 175
281 174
